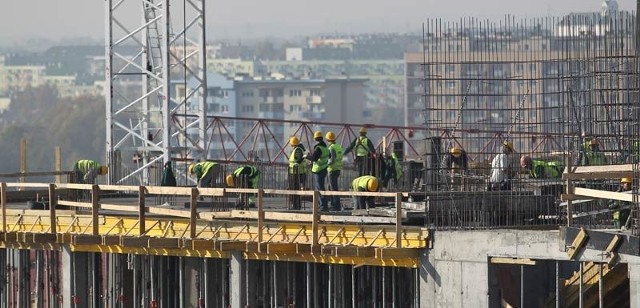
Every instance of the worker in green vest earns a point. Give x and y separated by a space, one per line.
320 159
207 173
365 153
85 171
592 156
539 169
622 209
334 167
244 177
297 171
365 183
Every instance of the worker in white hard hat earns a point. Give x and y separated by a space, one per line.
503 168
297 175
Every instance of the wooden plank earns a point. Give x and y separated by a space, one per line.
397 253
499 260
86 239
256 247
211 192
301 217
282 248
398 220
611 250
596 176
303 248
165 190
193 213
600 169
201 244
44 238
159 242
139 242
169 212
53 203
74 186
121 188
74 204
366 252
95 208
579 241
324 193
3 204
603 194
233 246
214 215
110 240
119 207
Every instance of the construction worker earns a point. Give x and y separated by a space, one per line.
85 171
320 159
244 177
456 163
593 156
392 170
297 171
365 153
365 183
539 169
207 173
334 167
502 169
622 209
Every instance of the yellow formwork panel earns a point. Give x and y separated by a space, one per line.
286 241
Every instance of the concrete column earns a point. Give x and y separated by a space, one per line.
236 280
634 284
192 272
429 277
74 276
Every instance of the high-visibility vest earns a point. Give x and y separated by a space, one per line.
253 176
362 148
362 183
205 166
337 162
321 163
294 167
397 165
84 165
549 169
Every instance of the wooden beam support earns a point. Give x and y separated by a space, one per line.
138 241
577 244
53 203
397 253
233 246
95 208
111 240
86 239
499 260
193 213
612 250
282 248
168 243
603 194
44 238
142 209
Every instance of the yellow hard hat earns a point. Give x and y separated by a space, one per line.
103 170
294 141
317 134
230 181
363 130
508 144
456 151
330 136
191 168
372 185
626 180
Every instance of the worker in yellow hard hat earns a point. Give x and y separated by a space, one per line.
503 168
334 168
85 171
592 155
365 153
365 183
456 164
320 159
297 175
621 209
207 173
244 177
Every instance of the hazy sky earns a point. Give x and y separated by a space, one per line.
55 19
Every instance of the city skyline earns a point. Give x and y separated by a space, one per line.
64 19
